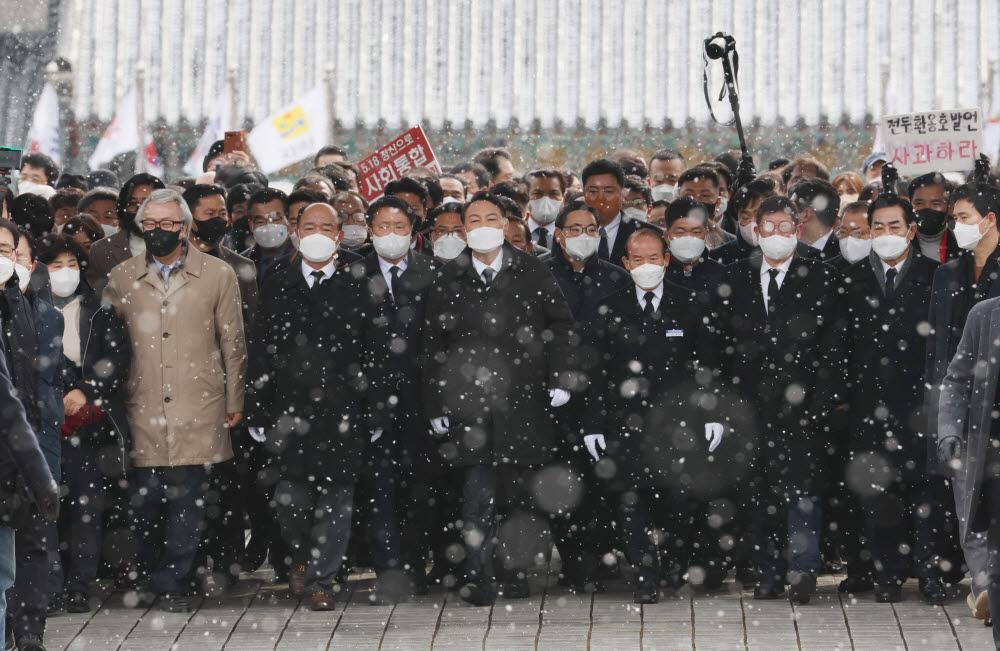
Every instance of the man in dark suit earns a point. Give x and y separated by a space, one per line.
649 335
853 236
689 266
496 341
306 400
582 534
819 209
267 214
603 188
884 300
775 319
403 466
112 250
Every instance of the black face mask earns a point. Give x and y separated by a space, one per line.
161 243
210 231
930 221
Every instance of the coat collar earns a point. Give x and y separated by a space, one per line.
192 266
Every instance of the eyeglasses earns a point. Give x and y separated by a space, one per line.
165 224
784 227
635 203
576 229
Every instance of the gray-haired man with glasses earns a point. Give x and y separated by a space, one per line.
184 318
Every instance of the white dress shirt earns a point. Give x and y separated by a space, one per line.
640 293
495 265
898 266
820 244
765 276
386 268
327 272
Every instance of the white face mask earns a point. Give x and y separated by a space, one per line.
316 247
635 214
749 234
967 236
581 247
294 237
108 230
28 187
64 281
484 239
354 236
778 247
271 236
391 246
448 200
664 192
889 247
6 271
848 198
23 275
544 210
448 247
648 276
721 210
855 248
687 249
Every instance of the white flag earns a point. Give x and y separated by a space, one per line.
991 125
43 136
121 136
214 130
295 132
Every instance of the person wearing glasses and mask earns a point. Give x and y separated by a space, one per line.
775 320
126 242
183 313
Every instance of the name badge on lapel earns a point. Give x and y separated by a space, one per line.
675 333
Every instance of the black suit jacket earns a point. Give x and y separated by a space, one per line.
585 290
885 348
704 280
780 363
490 356
395 335
308 374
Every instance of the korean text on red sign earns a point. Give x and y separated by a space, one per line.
405 152
933 141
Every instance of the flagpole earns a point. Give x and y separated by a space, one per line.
330 98
233 100
140 118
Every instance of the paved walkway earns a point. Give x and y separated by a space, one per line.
259 614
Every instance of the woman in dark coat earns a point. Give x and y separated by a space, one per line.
93 435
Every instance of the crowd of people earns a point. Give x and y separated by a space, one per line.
674 373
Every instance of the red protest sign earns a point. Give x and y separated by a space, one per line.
406 151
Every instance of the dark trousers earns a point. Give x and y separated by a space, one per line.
81 514
844 525
316 524
379 493
501 524
28 600
900 516
583 532
657 530
169 505
258 475
991 501
222 537
786 536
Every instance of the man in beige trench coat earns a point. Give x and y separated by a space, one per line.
185 387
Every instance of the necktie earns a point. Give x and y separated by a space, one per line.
488 274
772 291
602 249
890 284
395 283
318 278
648 310
543 236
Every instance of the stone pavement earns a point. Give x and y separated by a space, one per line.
259 614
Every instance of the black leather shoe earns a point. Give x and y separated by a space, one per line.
646 593
477 594
768 590
888 594
29 642
856 584
933 591
801 586
516 587
77 602
174 602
